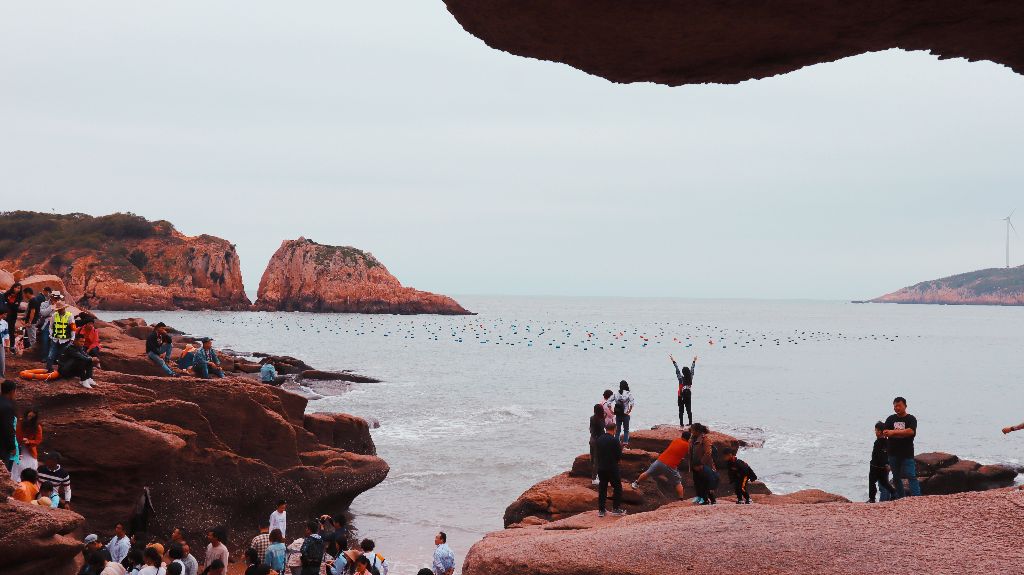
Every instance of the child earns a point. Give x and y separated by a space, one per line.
740 474
47 497
879 470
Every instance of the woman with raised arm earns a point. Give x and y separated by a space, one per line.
683 395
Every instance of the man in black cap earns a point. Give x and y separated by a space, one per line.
158 348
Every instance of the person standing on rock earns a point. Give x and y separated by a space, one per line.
261 541
609 407
44 320
279 518
119 544
5 337
444 559
62 332
216 549
12 300
683 395
311 555
878 474
8 440
624 403
667 464
609 452
597 423
32 315
900 431
702 465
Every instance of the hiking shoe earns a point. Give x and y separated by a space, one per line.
739 502
595 482
600 514
698 501
635 485
88 383
618 512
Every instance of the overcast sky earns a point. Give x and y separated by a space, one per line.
385 126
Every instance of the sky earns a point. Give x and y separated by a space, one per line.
466 170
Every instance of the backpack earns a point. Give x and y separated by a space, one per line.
620 405
312 552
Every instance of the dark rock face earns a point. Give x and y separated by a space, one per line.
944 474
34 540
677 42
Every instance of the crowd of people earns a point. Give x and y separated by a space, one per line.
325 548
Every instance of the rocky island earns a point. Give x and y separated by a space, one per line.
306 276
126 262
994 286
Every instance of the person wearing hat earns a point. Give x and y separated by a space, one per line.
206 361
93 545
62 332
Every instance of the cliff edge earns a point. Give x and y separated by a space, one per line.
123 261
306 276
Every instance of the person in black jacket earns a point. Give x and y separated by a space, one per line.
879 470
683 392
740 474
7 439
12 299
596 430
75 361
609 452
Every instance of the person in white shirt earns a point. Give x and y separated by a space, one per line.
154 562
624 403
119 544
279 518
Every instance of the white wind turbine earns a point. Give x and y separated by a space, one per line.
1009 225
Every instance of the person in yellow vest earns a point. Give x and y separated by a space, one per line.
62 332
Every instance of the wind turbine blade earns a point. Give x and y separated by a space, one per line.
1011 213
1013 228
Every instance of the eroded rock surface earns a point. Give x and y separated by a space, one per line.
677 42
35 540
306 276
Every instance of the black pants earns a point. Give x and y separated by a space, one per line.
704 490
77 367
685 405
604 477
878 478
740 487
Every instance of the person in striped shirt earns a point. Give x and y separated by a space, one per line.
52 472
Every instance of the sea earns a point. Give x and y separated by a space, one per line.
473 410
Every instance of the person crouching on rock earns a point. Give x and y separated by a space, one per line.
75 361
667 464
702 465
740 474
878 474
609 452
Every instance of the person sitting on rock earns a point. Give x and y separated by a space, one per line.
667 464
75 361
28 486
740 475
158 348
86 323
268 373
878 472
46 496
206 361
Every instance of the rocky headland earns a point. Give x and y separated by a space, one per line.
553 528
306 276
678 42
123 261
994 286
212 452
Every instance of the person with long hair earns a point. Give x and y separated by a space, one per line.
683 393
702 465
30 434
597 423
12 306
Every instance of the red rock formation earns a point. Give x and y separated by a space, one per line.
913 535
122 261
679 42
212 451
995 286
571 493
943 474
306 276
35 540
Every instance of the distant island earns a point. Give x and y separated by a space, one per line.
993 286
126 262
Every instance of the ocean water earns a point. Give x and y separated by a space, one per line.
473 410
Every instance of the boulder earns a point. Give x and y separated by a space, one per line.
35 540
341 430
317 375
928 463
306 276
943 473
836 538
